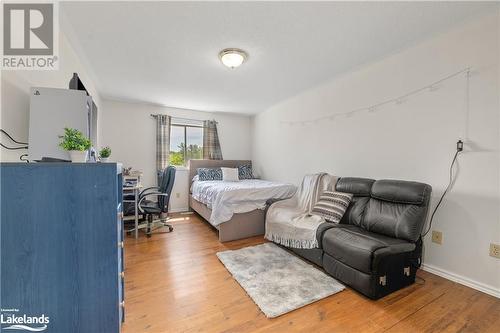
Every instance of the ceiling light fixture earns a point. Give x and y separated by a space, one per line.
232 57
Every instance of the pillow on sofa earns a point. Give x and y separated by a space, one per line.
230 174
332 205
209 174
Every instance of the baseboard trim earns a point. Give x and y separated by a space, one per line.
462 280
179 210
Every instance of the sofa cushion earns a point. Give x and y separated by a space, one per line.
355 211
320 232
332 205
360 249
397 209
357 186
400 191
361 189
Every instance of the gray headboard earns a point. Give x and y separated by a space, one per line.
195 164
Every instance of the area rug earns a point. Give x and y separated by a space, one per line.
276 280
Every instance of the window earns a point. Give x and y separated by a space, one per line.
186 141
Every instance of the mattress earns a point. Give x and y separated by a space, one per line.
228 198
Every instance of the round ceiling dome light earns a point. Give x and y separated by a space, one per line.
232 57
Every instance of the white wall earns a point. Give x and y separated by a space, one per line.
15 90
412 141
129 130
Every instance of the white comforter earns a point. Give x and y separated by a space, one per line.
227 198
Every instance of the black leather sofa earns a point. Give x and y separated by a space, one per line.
376 248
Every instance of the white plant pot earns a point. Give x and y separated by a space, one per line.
104 159
78 156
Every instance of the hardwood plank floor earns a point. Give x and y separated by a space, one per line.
175 283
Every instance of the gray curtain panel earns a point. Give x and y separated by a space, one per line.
211 144
162 143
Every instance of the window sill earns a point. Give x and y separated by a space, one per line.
181 168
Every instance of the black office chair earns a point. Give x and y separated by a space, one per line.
160 207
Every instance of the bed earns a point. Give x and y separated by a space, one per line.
235 209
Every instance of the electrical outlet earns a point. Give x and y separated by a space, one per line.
495 250
177 195
437 237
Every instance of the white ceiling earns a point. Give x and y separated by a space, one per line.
166 53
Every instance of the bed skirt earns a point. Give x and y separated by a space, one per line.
241 225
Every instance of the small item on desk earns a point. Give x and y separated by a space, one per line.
132 178
92 158
104 154
76 143
52 159
131 189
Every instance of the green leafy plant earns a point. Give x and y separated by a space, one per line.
73 139
105 152
191 151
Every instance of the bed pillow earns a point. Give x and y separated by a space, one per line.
332 205
245 171
209 174
230 174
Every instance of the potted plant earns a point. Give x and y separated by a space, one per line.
104 154
76 144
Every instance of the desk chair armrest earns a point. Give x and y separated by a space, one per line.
143 192
157 194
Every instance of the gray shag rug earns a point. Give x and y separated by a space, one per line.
276 280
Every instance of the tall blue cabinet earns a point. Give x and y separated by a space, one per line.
61 247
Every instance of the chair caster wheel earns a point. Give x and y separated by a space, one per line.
170 229
148 235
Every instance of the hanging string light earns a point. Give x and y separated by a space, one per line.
396 100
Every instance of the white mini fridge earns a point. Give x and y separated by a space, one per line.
51 110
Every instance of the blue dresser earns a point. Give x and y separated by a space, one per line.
61 247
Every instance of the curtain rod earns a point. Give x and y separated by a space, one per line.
156 115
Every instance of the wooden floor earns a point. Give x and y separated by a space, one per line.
175 283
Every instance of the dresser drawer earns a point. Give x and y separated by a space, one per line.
59 247
121 267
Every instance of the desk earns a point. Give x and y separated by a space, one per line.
135 190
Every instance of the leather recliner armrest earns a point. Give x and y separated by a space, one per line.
323 227
389 250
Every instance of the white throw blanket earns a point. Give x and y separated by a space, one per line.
289 222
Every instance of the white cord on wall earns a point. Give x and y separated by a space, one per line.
396 100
